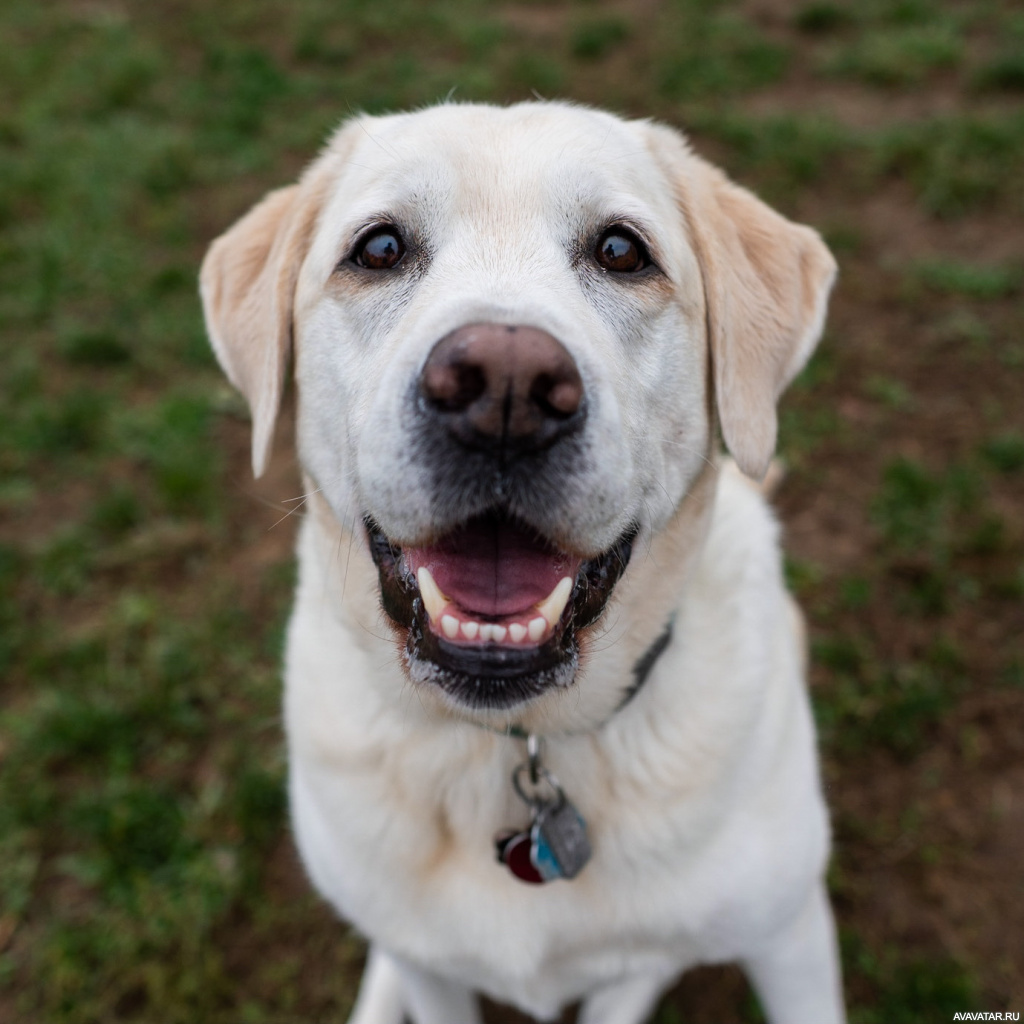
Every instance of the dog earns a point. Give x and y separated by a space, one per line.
549 738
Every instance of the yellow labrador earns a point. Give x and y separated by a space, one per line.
548 732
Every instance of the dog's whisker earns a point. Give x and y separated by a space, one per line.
301 497
384 638
265 502
275 505
290 512
348 557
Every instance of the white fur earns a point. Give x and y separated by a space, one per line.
702 798
702 795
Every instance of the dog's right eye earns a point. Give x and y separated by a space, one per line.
381 249
620 251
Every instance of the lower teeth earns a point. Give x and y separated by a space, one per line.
493 632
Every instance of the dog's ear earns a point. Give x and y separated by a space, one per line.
766 286
247 284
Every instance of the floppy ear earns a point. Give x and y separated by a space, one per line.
247 284
766 287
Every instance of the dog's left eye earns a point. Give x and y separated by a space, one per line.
621 251
381 249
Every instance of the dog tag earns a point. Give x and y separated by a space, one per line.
556 844
559 847
515 852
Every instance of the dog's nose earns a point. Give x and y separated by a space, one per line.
507 389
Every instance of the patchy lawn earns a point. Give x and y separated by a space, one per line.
146 872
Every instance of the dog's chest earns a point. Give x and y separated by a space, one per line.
417 871
405 851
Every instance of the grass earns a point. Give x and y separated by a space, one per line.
714 52
1005 452
875 704
894 56
142 810
968 280
939 544
597 37
99 787
957 163
911 990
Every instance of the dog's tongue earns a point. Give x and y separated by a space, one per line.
493 568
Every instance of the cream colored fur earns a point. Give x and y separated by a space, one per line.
702 795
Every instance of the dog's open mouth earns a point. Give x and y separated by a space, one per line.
493 611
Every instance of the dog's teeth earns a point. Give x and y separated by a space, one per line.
549 612
554 604
492 631
433 600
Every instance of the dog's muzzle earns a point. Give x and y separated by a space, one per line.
492 608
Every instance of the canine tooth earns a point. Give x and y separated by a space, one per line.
554 604
433 600
498 633
537 628
450 625
470 630
516 631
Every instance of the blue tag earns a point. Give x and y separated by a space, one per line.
541 856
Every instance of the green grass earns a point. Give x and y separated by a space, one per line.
889 390
1004 73
893 56
98 786
714 52
957 163
938 538
787 152
874 704
968 280
141 764
822 17
1005 452
596 37
910 990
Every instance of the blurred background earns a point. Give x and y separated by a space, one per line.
146 871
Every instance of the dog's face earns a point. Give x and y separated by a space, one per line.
512 330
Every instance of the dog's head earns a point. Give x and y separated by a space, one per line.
513 330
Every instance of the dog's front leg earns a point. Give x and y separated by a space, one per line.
430 999
797 977
626 1002
392 988
380 992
